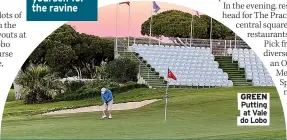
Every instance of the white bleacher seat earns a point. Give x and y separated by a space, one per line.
254 68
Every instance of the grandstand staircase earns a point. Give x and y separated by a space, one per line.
150 77
237 76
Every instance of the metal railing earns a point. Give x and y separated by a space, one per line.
218 47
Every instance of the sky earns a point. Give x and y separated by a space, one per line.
106 24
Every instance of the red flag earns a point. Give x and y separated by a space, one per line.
127 2
171 75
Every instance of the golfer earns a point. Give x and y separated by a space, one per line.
107 98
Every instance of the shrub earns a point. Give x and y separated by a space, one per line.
40 84
127 87
73 85
122 70
92 89
82 93
37 96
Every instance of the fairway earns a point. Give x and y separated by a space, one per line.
204 113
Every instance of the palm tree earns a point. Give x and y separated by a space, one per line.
39 84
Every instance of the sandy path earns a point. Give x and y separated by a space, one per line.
120 106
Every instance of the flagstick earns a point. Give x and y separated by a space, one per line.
116 44
166 96
211 34
192 27
150 25
235 41
191 30
129 26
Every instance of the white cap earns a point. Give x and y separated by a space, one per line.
103 90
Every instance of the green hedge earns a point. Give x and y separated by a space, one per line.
92 89
74 85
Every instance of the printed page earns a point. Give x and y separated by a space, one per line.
184 69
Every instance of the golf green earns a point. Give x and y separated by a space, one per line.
206 113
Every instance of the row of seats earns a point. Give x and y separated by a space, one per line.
203 83
168 46
264 84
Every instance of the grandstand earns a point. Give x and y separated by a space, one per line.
192 66
226 65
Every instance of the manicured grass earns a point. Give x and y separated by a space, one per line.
202 113
18 108
11 96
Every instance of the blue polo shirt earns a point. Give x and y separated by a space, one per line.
107 96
